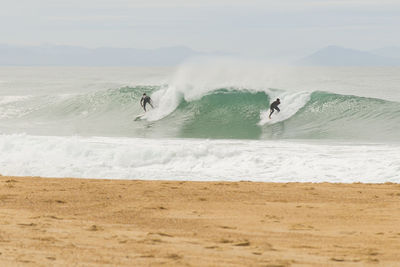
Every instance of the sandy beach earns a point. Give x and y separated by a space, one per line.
80 222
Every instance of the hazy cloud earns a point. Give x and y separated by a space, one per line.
253 27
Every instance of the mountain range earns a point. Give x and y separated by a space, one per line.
58 55
340 56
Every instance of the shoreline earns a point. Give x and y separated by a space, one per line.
68 221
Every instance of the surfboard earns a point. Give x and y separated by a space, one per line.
276 117
138 117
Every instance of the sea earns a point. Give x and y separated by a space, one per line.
209 122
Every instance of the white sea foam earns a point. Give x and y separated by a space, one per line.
133 158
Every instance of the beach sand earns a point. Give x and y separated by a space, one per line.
80 222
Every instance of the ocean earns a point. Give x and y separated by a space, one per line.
210 122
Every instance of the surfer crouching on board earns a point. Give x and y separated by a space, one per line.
145 99
274 106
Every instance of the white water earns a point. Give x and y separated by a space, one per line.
188 159
133 158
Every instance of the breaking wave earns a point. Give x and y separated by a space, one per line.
225 113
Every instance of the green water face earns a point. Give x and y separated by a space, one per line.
224 114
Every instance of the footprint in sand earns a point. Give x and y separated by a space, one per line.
300 226
27 224
174 256
211 247
242 244
95 228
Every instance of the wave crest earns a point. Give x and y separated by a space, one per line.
229 112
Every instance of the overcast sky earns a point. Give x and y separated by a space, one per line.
250 27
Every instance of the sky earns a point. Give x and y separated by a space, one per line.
267 29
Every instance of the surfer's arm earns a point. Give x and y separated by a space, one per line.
141 102
151 103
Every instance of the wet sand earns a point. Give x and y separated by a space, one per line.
77 222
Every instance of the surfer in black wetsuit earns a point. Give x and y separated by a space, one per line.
274 106
145 99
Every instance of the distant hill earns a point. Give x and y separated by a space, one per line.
390 51
339 56
56 55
